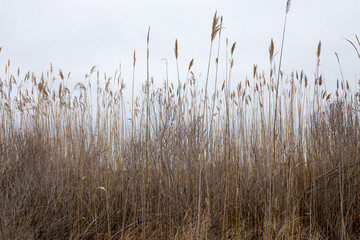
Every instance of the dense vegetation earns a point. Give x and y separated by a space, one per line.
276 157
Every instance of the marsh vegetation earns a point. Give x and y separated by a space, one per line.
274 157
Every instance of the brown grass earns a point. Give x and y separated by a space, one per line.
70 169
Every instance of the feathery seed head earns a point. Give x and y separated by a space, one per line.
148 36
176 49
61 74
216 26
288 3
233 48
318 49
190 64
271 50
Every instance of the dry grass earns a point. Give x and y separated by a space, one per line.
73 169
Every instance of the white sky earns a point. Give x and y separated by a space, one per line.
75 35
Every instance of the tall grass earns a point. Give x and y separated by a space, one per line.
73 166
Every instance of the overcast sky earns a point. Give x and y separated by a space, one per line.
75 35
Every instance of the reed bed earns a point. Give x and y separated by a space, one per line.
275 157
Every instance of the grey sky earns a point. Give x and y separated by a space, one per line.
77 34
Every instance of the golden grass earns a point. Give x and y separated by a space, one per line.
75 170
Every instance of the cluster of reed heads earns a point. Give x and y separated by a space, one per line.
276 157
